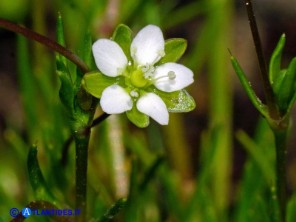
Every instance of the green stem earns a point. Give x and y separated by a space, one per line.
269 95
220 113
68 142
281 178
277 123
81 141
44 41
99 119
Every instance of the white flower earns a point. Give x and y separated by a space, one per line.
147 49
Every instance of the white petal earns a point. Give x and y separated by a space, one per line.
109 57
148 46
183 77
115 100
153 106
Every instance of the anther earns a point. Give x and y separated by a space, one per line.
171 75
145 68
134 93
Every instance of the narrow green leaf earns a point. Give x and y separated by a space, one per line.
151 172
60 38
248 88
274 208
291 212
113 211
275 61
37 180
174 49
257 155
66 91
288 110
179 101
279 80
123 36
181 15
60 30
136 117
87 49
85 53
27 84
61 61
95 82
287 90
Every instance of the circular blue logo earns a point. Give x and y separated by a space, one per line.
26 212
14 212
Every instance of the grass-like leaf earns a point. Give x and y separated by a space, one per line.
275 61
113 211
256 153
37 180
248 88
286 94
291 212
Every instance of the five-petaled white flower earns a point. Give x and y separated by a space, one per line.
147 48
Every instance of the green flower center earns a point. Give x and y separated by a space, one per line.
138 79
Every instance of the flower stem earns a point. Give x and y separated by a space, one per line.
44 41
99 119
220 103
81 141
269 95
281 178
277 123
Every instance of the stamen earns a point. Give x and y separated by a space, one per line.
134 93
148 71
148 75
145 68
129 63
171 75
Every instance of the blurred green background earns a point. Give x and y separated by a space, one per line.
212 164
